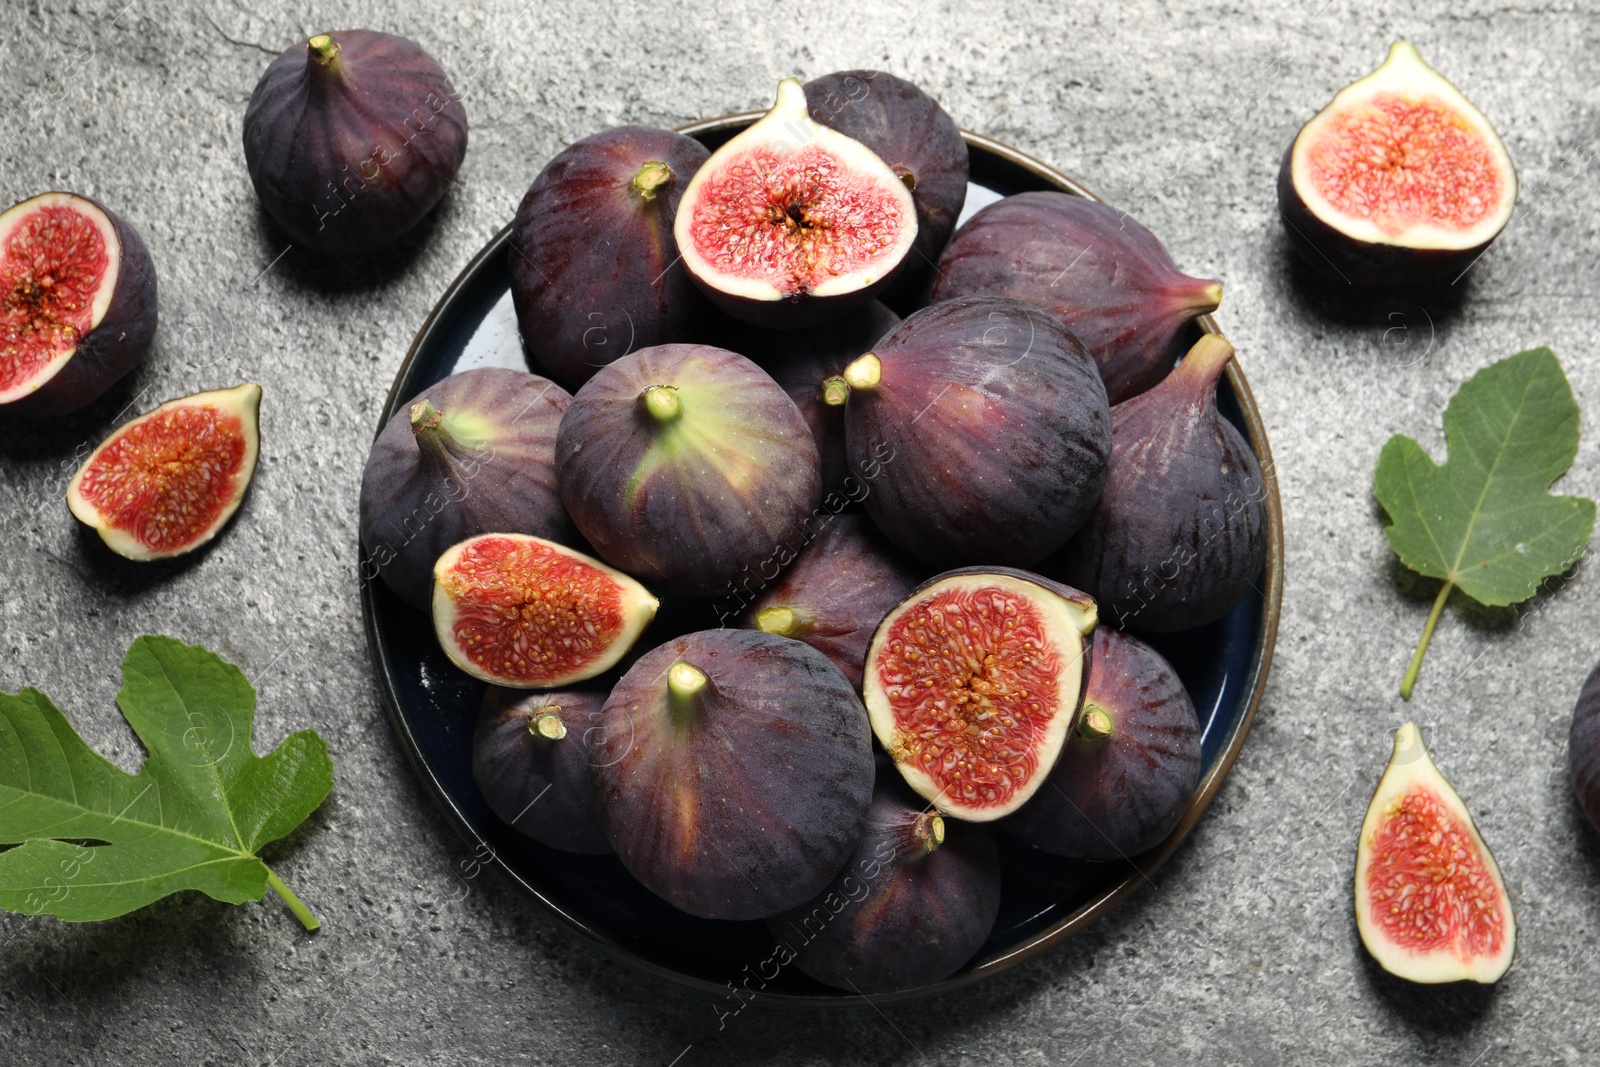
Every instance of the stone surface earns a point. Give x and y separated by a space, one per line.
1243 950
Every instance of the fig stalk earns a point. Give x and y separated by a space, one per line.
324 50
652 178
685 683
930 831
662 403
835 391
1096 724
786 621
864 373
548 725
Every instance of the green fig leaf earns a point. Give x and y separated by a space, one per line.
94 842
1485 521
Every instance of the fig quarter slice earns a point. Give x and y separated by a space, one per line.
527 613
1430 903
166 482
973 682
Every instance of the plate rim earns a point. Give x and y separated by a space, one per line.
1029 948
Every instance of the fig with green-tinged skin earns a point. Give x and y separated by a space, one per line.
973 682
77 303
684 465
921 143
1398 181
1179 535
915 902
1129 767
733 772
352 138
1430 904
1583 748
472 454
836 592
1094 268
802 361
595 271
790 223
983 429
530 760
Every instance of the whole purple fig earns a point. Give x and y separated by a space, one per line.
1093 267
530 760
352 138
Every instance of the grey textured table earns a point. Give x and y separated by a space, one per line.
1243 950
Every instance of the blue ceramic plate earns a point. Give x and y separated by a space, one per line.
432 705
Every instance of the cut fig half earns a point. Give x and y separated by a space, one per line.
974 681
77 303
791 223
1430 903
527 613
165 483
1398 180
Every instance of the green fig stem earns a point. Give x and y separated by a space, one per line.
661 401
1409 682
864 372
301 912
685 683
434 435
324 51
1095 724
1206 361
835 391
929 830
652 177
1211 297
548 724
785 621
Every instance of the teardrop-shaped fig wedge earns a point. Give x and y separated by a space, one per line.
1398 180
1093 267
1430 903
791 223
166 482
1178 536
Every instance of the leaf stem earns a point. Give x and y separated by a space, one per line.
1409 682
301 912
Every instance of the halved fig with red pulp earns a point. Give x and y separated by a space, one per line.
1430 903
165 483
527 613
77 303
973 683
791 223
1398 180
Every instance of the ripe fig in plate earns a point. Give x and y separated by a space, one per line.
733 772
352 138
1583 748
527 613
982 429
472 454
1430 903
973 683
530 760
1093 267
594 266
1398 180
1130 765
77 303
684 465
908 130
790 223
836 592
1179 534
166 482
915 902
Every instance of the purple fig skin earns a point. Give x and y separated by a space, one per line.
802 360
1179 535
986 438
915 902
114 345
1583 748
836 592
484 461
741 798
914 135
595 271
688 498
1111 797
1093 267
533 774
352 138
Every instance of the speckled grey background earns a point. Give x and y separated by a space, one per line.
1242 951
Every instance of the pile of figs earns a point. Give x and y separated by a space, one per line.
922 487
